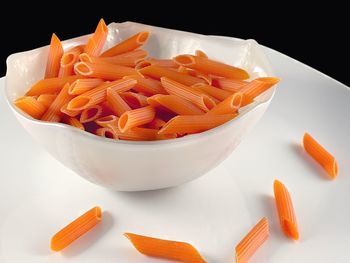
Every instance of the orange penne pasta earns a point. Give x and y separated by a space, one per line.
91 113
167 249
108 120
127 45
200 100
49 86
231 85
285 210
320 155
211 67
142 64
74 122
76 229
140 134
156 123
98 94
166 63
256 87
175 104
148 86
83 85
159 72
252 241
134 118
54 58
194 123
212 91
138 53
106 133
105 71
97 40
46 99
68 60
134 100
54 113
70 113
116 102
31 106
207 79
119 60
230 105
200 53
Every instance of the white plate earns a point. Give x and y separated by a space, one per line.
39 196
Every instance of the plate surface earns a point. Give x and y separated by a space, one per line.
39 196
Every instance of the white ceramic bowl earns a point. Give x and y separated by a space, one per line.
135 166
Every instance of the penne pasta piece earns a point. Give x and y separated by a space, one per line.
230 105
127 45
118 60
165 63
76 229
167 249
138 53
141 134
159 72
142 64
105 71
134 118
134 100
106 133
49 86
83 85
212 91
257 86
175 104
46 99
97 40
156 123
54 58
53 113
108 120
31 106
320 155
68 60
285 210
98 95
194 123
252 241
231 85
116 102
74 122
70 113
202 101
200 53
148 86
91 113
209 66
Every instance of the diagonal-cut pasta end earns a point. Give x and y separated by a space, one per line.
237 100
142 37
332 169
290 229
102 26
82 68
84 57
184 60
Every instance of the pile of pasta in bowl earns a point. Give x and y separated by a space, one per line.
124 94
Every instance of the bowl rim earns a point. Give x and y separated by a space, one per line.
185 139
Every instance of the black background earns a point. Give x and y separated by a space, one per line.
317 36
